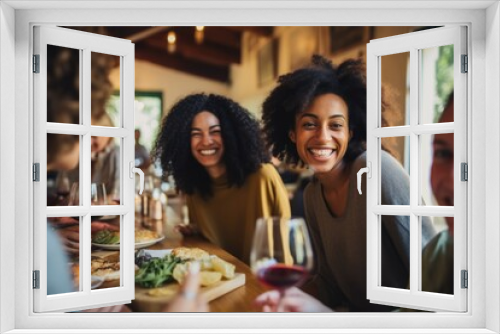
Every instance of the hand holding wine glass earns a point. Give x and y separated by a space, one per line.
282 255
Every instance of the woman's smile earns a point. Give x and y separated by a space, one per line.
208 152
321 133
207 145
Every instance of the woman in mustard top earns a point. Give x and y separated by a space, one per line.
214 149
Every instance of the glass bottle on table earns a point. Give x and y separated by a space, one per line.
155 201
138 197
146 195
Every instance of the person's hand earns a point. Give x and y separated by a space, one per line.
293 300
188 299
70 236
188 229
62 222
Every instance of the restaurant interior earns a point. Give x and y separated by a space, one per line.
242 63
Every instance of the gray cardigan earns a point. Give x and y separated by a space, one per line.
340 242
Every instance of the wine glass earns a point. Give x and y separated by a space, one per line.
62 187
74 195
281 255
98 194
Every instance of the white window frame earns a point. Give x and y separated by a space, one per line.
414 297
483 20
86 43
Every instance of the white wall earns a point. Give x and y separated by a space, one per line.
244 84
173 84
244 87
7 165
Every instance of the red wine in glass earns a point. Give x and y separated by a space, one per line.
281 276
281 255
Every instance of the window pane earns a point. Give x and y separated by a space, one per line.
62 167
395 193
436 84
105 170
63 255
105 264
63 85
395 253
436 164
395 89
101 64
437 258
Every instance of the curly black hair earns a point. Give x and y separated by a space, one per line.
296 91
244 149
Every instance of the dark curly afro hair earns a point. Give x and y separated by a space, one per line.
244 149
297 90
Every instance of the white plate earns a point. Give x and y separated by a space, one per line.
138 245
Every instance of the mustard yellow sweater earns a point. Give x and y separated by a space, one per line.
228 218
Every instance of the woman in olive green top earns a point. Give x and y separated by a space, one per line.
214 149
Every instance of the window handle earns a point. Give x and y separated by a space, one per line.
368 172
133 170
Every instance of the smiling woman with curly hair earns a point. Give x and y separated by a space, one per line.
214 149
316 116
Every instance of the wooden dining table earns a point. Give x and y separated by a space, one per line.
240 299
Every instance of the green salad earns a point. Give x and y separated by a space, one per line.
106 237
156 271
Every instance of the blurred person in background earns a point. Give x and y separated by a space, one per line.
105 160
437 256
63 106
214 149
63 154
316 116
142 159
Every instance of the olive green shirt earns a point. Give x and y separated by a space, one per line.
228 218
437 264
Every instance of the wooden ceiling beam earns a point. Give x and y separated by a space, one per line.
179 63
146 33
259 30
223 36
205 52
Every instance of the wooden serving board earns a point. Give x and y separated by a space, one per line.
145 302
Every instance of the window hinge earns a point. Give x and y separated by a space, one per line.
36 279
36 172
465 279
465 64
464 171
36 63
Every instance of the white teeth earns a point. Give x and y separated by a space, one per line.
322 152
207 152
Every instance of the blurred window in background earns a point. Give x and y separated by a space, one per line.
148 114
